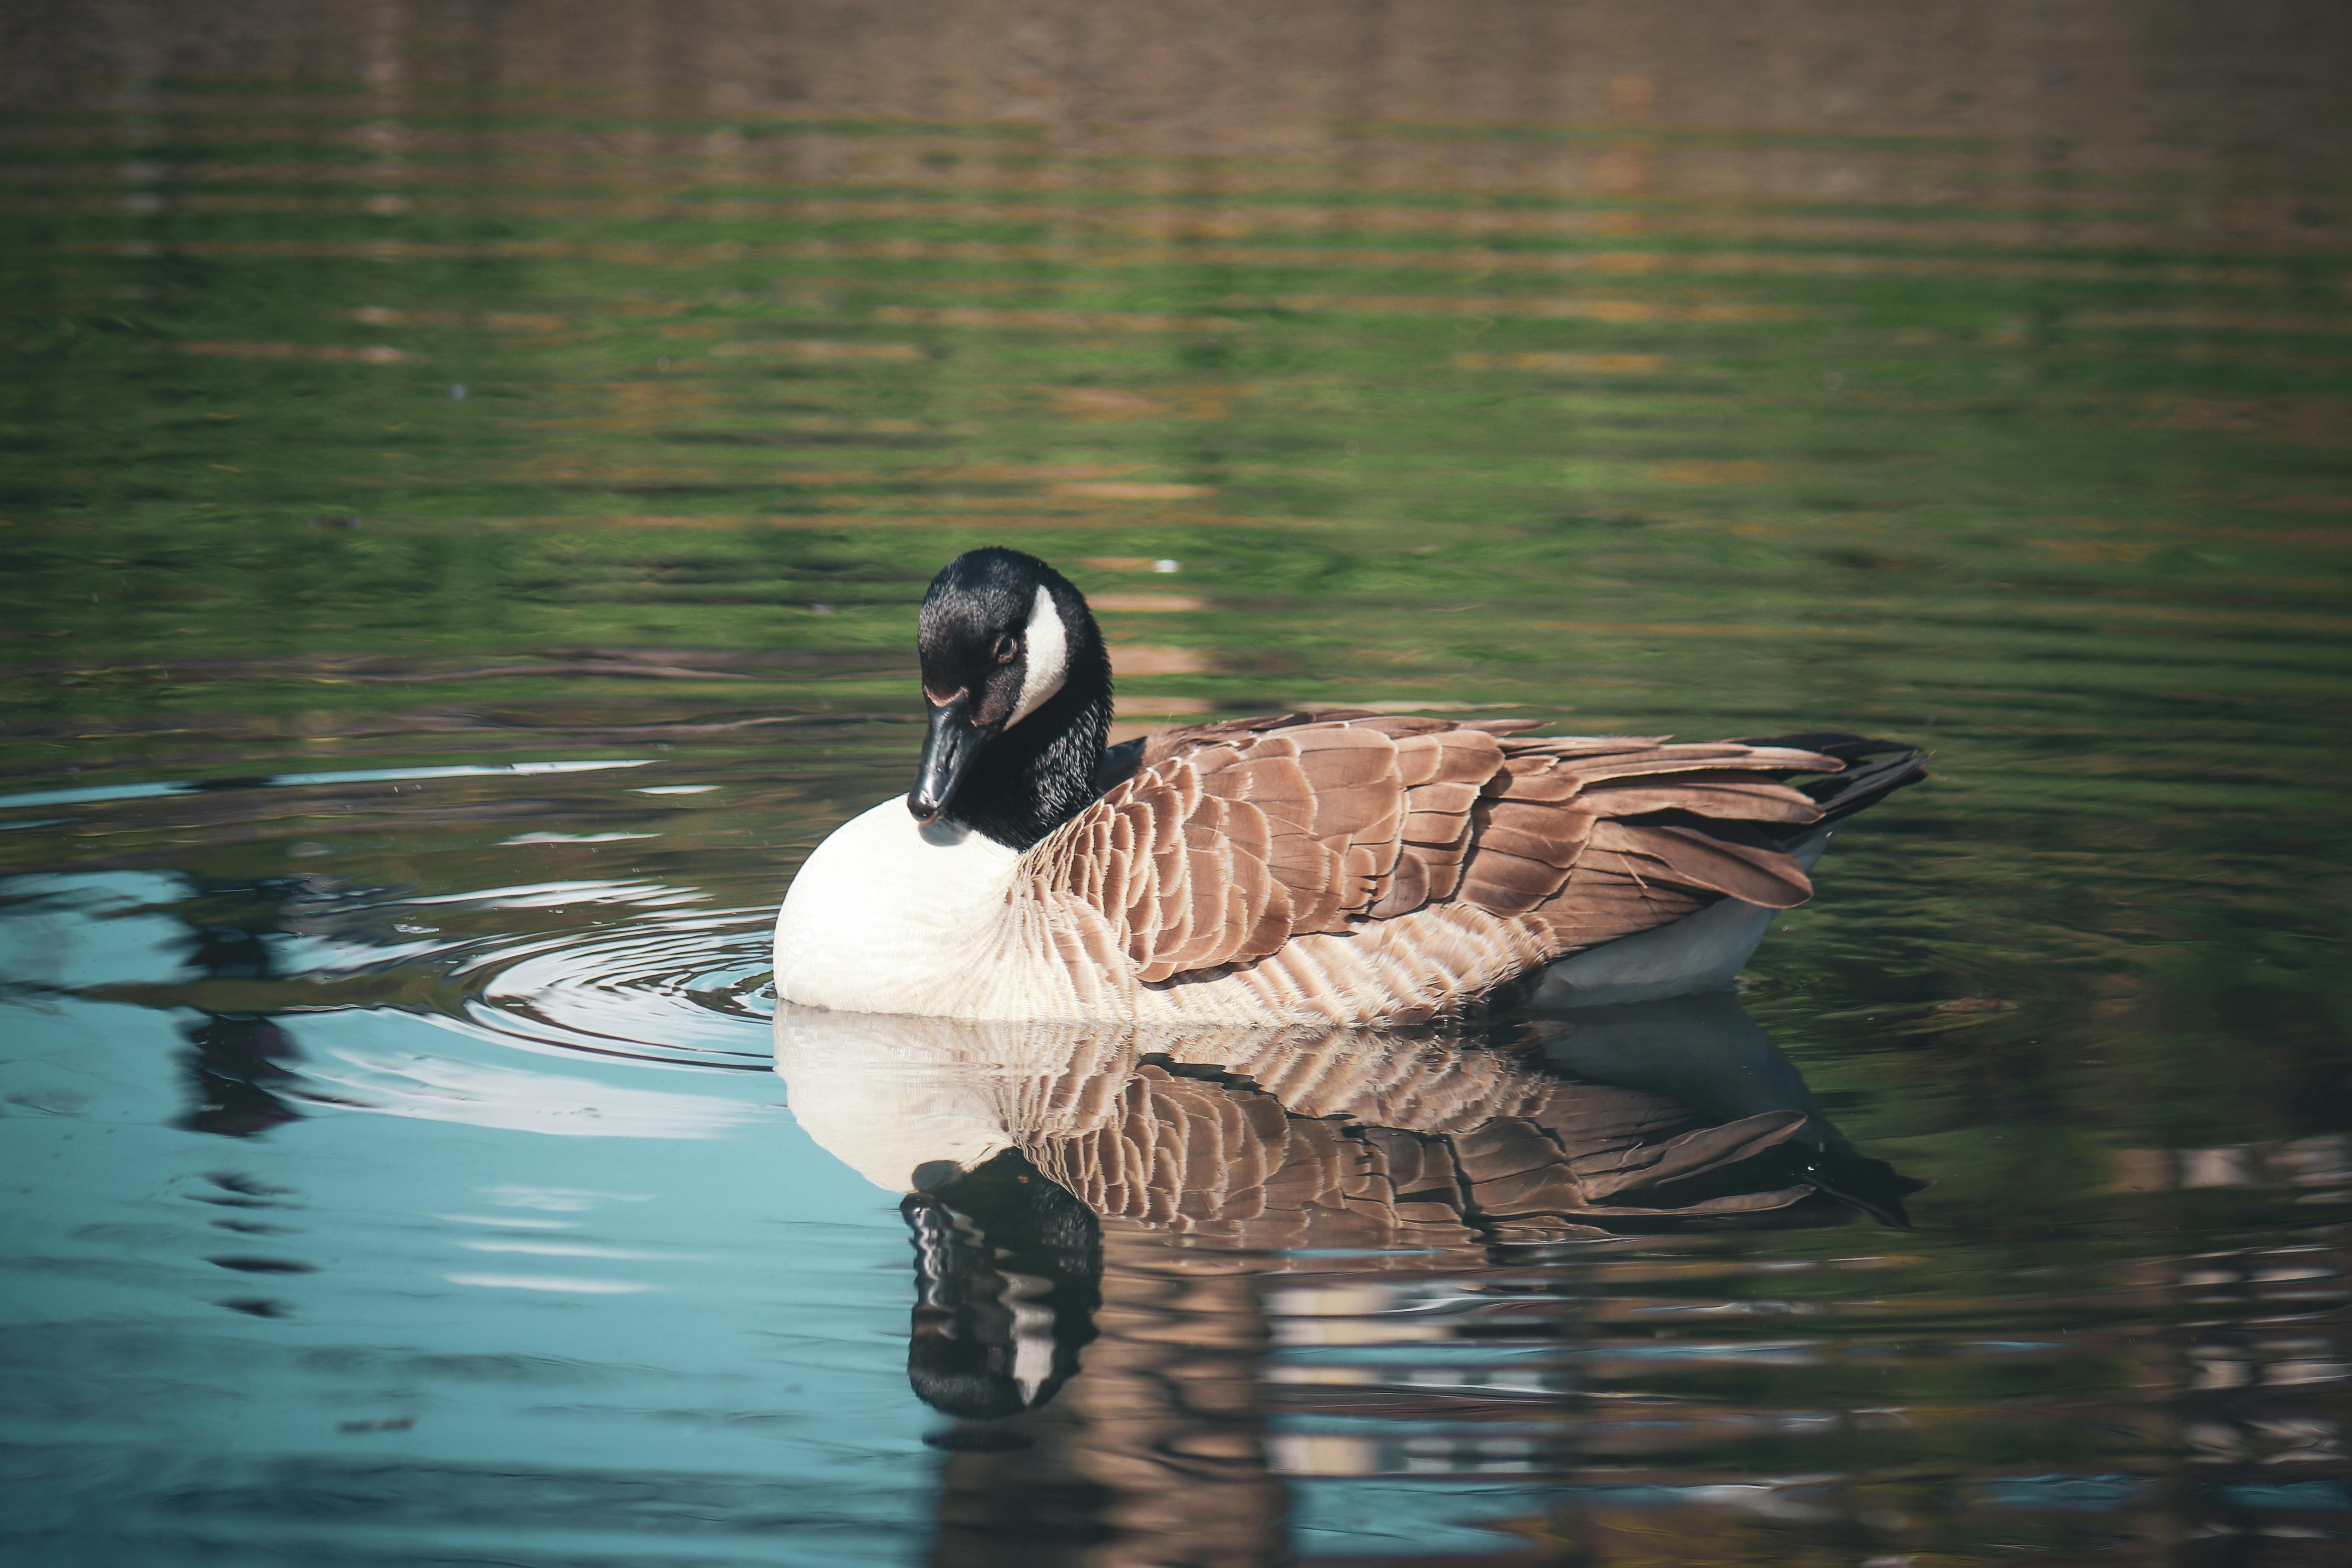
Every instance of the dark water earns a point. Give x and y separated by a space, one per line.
468 474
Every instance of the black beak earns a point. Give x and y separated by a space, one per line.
947 753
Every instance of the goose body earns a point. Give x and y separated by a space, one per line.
1338 867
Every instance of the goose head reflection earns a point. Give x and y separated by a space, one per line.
1014 1145
1008 1270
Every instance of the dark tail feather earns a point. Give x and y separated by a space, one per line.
1873 769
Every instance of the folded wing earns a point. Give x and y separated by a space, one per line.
1230 839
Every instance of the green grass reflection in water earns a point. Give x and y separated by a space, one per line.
397 1169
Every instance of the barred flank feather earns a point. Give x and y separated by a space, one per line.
1352 867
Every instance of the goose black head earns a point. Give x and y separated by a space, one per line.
1018 685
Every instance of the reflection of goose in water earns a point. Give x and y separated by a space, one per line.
1344 868
1014 1142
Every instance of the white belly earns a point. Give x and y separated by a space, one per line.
888 916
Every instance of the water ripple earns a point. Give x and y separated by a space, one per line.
678 985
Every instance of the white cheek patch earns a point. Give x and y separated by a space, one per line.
1049 657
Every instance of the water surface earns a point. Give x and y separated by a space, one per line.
464 508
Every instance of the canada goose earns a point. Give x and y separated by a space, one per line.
1344 866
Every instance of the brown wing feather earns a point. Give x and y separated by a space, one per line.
1601 903
1689 857
1233 838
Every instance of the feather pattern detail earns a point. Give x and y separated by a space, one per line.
1355 868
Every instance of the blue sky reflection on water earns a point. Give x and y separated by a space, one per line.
514 1266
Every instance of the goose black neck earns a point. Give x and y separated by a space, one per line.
1040 772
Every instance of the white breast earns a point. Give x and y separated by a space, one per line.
886 915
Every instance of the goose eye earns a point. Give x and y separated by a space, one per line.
1007 646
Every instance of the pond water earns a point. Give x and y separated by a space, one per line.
459 538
